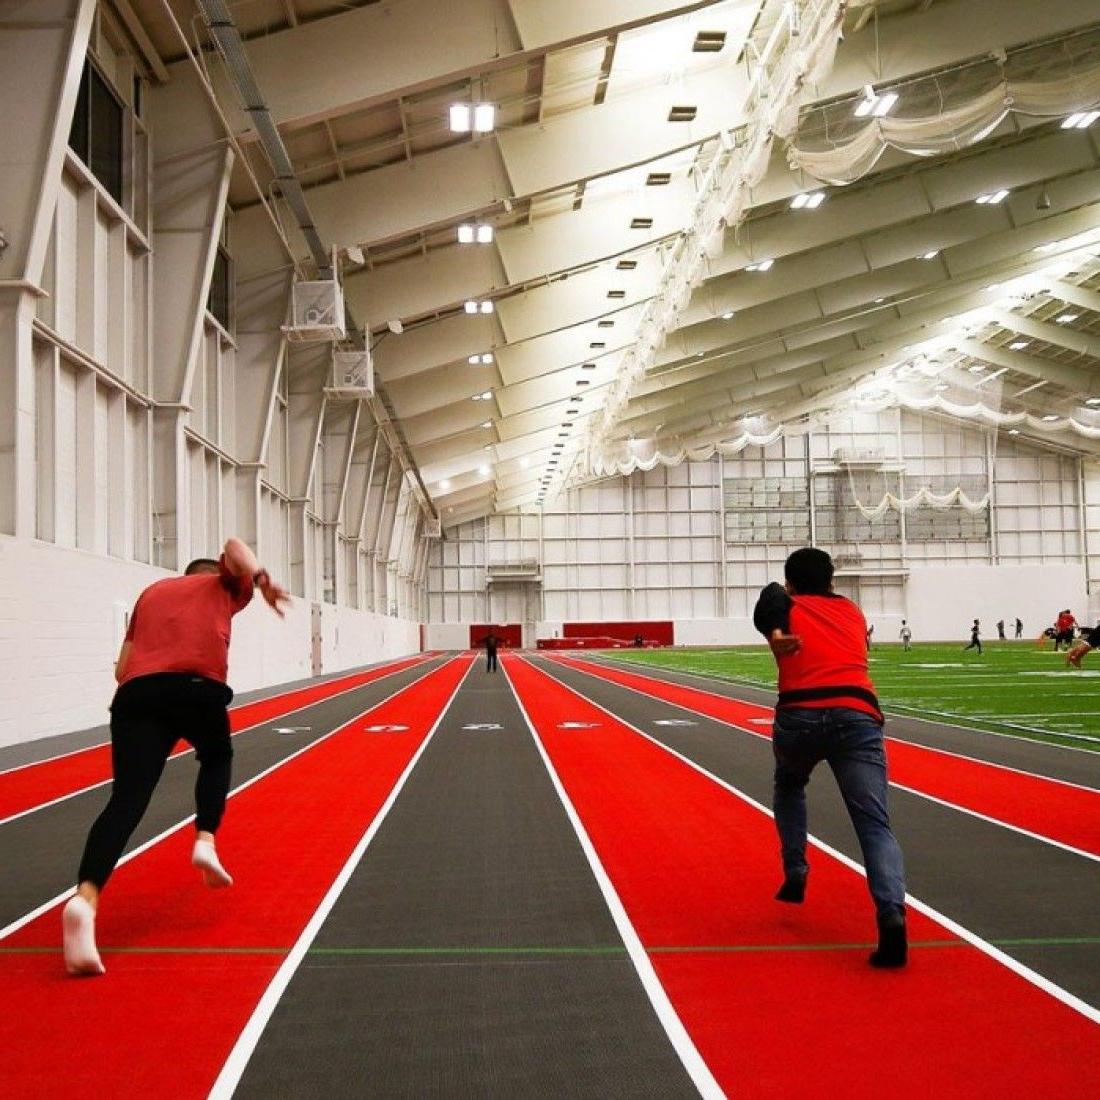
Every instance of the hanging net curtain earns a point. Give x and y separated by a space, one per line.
949 111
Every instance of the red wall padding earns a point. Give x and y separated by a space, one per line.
659 631
508 634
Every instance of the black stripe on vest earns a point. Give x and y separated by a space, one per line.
805 695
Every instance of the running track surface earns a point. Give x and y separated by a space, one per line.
35 784
779 1000
164 1020
1047 807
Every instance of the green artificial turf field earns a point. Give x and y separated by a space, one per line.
1013 687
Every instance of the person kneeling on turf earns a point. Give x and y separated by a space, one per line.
827 710
171 684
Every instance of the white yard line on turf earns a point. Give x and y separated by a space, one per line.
893 783
1025 972
187 752
243 1049
889 708
15 925
261 699
678 1036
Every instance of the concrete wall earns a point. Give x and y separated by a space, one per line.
62 620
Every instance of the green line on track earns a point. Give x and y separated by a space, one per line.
731 949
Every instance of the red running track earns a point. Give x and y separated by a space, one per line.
1051 809
778 999
34 785
165 1017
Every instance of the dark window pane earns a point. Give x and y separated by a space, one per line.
78 134
218 302
106 137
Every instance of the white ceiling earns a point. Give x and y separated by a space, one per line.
583 91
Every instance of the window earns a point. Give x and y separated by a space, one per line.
767 509
96 133
219 302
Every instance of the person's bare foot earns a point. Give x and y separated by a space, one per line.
78 939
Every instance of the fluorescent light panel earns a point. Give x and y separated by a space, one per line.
809 200
993 198
1082 120
763 265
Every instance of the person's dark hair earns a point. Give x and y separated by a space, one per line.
809 571
201 565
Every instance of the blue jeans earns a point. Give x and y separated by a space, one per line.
851 743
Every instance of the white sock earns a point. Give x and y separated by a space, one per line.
205 858
78 924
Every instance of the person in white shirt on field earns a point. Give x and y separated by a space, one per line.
906 635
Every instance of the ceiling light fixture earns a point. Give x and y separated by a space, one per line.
1050 418
809 200
728 315
1093 401
930 255
487 424
1082 120
485 117
1018 345
470 307
1067 318
460 118
444 484
483 470
994 198
874 105
762 265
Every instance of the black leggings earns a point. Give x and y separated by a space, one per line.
148 716
491 660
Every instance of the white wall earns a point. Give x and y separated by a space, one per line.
60 630
447 636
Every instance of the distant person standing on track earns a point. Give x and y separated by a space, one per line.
171 675
827 710
1001 630
975 638
491 644
1019 628
906 636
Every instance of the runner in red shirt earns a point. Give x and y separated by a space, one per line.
171 676
827 710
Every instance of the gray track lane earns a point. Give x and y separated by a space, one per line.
1057 762
471 953
43 748
999 884
39 853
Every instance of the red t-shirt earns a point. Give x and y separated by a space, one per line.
830 668
183 624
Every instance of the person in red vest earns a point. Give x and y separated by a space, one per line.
827 710
1063 630
171 676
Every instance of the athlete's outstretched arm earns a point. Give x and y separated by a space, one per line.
240 560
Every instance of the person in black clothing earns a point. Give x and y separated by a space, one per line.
1090 640
491 644
975 638
1019 628
639 641
827 710
1001 629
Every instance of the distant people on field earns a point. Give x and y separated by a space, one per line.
975 638
1000 630
639 641
870 634
1064 627
1090 640
827 710
906 636
1019 628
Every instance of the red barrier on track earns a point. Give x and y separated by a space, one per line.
1050 808
779 1000
32 785
165 1017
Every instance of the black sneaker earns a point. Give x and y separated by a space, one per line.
893 944
793 890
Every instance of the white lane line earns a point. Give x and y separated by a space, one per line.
893 782
19 922
1025 972
261 699
895 709
189 751
245 1045
678 1036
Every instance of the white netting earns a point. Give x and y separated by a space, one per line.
948 111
